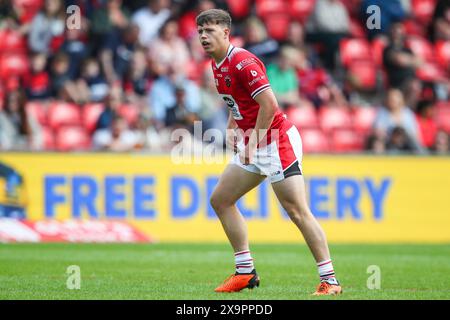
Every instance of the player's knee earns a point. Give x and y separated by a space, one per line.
296 212
218 202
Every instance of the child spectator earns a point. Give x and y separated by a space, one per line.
37 82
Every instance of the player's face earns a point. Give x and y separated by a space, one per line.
212 37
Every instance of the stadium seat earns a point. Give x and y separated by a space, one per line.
412 28
363 119
37 110
365 73
12 41
277 26
13 65
314 141
377 47
334 118
301 9
130 112
90 114
304 117
352 49
423 10
72 138
421 47
443 53
346 141
266 8
430 72
49 138
443 116
62 113
356 28
239 8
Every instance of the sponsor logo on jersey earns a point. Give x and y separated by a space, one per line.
219 75
244 63
251 83
224 69
254 73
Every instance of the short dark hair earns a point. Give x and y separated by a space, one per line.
215 16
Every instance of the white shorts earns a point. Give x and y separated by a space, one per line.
278 160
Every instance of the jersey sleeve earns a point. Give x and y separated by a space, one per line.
252 76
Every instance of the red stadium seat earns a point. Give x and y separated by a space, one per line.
277 26
346 141
49 138
423 10
357 29
314 141
443 53
354 49
12 41
412 28
266 8
301 9
430 72
13 65
37 110
72 138
90 114
130 112
304 117
363 119
365 73
443 116
239 8
377 48
62 113
334 118
421 47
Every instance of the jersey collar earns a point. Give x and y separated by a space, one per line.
230 48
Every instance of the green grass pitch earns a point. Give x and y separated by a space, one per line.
192 271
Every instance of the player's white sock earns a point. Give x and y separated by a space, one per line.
326 271
244 261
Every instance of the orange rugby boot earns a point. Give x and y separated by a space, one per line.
325 288
239 281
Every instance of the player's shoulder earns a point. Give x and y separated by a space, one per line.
240 58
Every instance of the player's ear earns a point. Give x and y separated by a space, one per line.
226 32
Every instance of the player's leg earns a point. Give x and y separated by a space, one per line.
233 184
292 195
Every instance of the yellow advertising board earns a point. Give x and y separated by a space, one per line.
355 198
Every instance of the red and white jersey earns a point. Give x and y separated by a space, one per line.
239 78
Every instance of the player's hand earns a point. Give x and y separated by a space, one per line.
246 156
232 140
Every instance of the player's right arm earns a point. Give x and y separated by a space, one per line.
231 134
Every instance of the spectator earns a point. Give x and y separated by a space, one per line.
396 114
150 19
169 50
440 25
93 83
37 83
108 21
62 85
399 61
296 39
258 42
117 138
47 28
117 52
399 141
76 49
442 144
162 95
427 125
18 131
113 103
391 12
283 78
327 25
138 81
178 116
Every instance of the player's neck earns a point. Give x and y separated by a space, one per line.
221 54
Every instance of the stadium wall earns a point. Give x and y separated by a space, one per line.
356 198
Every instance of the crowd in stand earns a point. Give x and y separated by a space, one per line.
133 71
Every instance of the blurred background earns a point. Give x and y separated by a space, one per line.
88 111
